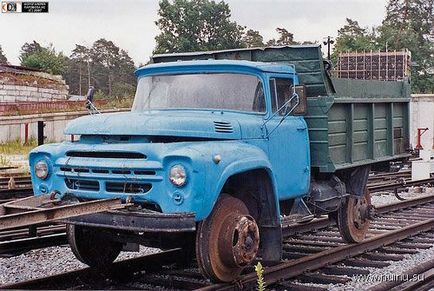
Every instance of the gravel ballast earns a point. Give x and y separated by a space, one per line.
49 261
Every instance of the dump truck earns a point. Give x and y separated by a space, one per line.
223 149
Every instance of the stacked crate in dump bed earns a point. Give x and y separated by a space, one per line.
351 122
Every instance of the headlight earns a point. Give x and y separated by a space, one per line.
178 175
41 170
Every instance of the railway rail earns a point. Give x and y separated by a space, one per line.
17 241
313 252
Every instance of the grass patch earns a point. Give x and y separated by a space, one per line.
4 162
17 147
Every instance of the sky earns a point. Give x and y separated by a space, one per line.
131 24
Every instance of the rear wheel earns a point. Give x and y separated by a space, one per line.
92 247
353 218
227 240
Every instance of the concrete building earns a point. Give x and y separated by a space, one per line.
422 116
21 84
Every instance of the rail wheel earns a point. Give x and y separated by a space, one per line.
92 247
227 240
353 218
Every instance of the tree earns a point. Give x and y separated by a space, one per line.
105 66
111 64
3 59
196 25
43 58
352 37
79 73
252 38
408 25
285 38
28 49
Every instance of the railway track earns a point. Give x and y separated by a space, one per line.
15 187
18 241
313 253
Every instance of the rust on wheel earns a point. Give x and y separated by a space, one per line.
353 218
227 241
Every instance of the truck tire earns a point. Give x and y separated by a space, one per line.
227 240
353 218
92 247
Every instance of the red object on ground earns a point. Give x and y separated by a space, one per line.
26 133
420 132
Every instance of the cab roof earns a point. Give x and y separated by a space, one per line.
215 65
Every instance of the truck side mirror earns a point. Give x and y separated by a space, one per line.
301 108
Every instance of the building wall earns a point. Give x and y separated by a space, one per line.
422 116
14 127
14 93
21 84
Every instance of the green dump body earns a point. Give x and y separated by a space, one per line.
351 122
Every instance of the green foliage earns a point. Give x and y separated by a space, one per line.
16 147
352 37
43 58
260 276
196 25
29 48
285 38
78 75
99 95
123 90
3 59
103 66
4 161
252 38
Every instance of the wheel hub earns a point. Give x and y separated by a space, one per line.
361 212
239 243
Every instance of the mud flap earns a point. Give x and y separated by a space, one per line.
271 244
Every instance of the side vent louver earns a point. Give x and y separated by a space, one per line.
223 127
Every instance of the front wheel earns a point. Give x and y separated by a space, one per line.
91 246
227 240
353 218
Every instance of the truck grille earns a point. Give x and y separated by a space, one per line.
223 127
106 155
118 187
86 185
106 171
112 187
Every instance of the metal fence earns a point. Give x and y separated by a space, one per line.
383 66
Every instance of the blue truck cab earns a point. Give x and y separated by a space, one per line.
214 154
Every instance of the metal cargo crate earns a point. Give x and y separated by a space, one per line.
365 122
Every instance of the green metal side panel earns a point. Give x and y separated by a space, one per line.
350 132
371 88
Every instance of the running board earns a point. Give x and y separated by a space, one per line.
45 208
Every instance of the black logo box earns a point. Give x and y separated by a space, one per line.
34 7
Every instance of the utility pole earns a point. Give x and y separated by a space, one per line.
328 42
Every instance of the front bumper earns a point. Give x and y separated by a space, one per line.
138 221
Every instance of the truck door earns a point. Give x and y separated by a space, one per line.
288 143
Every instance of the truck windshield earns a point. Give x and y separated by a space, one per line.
200 91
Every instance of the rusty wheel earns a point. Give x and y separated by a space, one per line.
227 241
353 218
92 247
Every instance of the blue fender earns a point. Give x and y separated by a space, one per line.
237 157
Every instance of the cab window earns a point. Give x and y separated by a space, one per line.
281 90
